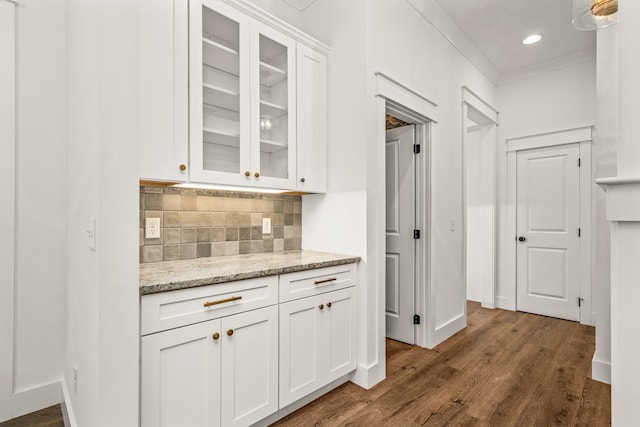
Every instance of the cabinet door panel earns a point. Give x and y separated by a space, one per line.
300 349
339 334
312 120
163 90
219 102
273 108
180 377
249 366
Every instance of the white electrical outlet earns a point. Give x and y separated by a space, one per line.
453 224
266 225
152 228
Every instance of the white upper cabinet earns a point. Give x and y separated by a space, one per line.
243 103
312 120
164 64
230 95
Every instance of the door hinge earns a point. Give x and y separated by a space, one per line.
416 148
580 301
579 162
416 319
416 234
579 232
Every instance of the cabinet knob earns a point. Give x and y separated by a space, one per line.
230 332
302 179
329 304
321 306
257 174
216 336
183 167
247 173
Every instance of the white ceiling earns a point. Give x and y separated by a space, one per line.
497 27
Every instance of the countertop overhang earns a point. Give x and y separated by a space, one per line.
173 275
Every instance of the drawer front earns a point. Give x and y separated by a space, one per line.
172 309
314 282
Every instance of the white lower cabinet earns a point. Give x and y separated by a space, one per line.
222 372
317 342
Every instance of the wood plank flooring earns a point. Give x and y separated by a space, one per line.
48 417
505 369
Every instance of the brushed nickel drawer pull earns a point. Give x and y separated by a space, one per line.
330 279
222 301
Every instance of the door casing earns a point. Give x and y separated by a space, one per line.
583 136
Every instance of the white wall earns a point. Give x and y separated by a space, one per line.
405 46
102 294
560 99
30 381
604 160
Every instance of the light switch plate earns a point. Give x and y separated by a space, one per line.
266 225
91 233
152 228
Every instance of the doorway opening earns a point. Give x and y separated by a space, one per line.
480 184
405 158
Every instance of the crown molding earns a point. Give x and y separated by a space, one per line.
548 66
434 14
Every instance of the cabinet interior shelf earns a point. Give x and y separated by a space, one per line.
220 137
217 55
270 146
272 109
219 89
211 40
270 75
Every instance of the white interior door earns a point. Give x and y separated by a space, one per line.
548 220
400 244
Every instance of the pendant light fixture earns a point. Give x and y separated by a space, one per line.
594 14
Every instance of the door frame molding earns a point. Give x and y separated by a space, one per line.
471 100
412 107
583 137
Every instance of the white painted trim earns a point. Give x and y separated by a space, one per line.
423 111
587 231
473 99
35 398
503 303
300 403
623 198
441 22
548 66
549 139
265 17
601 370
448 329
7 202
69 407
586 209
368 376
388 87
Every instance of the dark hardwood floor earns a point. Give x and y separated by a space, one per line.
505 369
48 417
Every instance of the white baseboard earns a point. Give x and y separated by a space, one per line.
300 403
368 376
67 413
35 398
447 330
504 303
601 371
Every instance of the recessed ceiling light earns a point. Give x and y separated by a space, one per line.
533 38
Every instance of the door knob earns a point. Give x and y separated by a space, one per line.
522 239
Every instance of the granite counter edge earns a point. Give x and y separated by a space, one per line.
214 280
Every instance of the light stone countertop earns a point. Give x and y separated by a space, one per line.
171 275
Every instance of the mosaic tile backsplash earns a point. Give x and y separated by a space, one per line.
199 223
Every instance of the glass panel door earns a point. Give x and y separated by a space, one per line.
273 124
221 93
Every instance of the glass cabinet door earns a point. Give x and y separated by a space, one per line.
219 106
273 124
